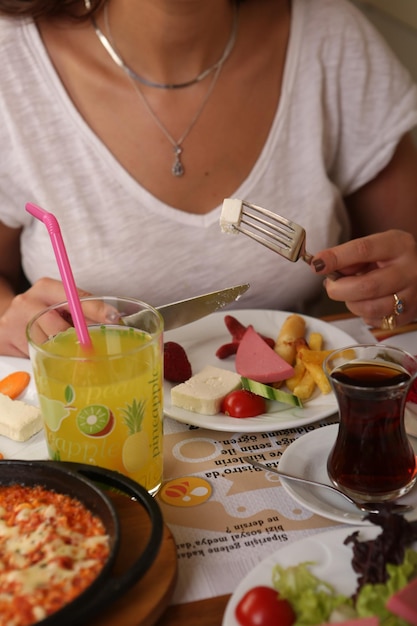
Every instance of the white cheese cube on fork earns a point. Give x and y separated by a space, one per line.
231 215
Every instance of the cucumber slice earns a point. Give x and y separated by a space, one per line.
266 391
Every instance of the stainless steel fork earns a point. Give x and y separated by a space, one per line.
267 228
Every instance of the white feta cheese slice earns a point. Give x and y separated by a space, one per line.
204 392
231 215
18 421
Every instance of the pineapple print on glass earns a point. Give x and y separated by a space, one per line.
104 407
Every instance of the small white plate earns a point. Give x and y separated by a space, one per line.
307 457
201 339
34 448
331 558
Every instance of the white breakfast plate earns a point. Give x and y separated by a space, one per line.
307 457
34 448
201 339
331 558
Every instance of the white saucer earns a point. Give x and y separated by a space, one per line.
307 457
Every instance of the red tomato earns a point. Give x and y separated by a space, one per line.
262 606
243 403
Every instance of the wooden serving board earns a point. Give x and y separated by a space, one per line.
145 602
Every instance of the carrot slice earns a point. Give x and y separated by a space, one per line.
14 384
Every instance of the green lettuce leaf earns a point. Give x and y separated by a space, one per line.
316 602
312 599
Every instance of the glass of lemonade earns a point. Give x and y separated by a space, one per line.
102 405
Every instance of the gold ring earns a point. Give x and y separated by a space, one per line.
389 322
398 305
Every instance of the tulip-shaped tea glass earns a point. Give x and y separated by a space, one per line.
372 458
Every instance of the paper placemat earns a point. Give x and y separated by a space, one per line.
226 516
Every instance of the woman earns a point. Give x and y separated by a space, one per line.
132 121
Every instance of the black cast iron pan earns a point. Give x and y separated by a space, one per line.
81 481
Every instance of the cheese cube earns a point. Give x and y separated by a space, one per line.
204 392
231 215
18 421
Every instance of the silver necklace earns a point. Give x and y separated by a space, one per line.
177 168
108 45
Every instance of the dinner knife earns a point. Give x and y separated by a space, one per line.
186 311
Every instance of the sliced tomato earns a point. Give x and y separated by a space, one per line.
243 403
262 606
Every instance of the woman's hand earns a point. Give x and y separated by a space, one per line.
23 307
374 268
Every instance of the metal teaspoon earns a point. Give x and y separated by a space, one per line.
367 507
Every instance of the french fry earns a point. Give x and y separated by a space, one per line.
313 362
299 370
313 356
315 341
307 358
317 374
305 387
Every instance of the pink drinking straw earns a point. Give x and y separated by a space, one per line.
64 266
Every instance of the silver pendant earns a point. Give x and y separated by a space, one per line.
177 168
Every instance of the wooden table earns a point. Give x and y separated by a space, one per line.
203 613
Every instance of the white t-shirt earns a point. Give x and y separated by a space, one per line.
345 104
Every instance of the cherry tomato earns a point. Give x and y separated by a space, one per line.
262 606
243 403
